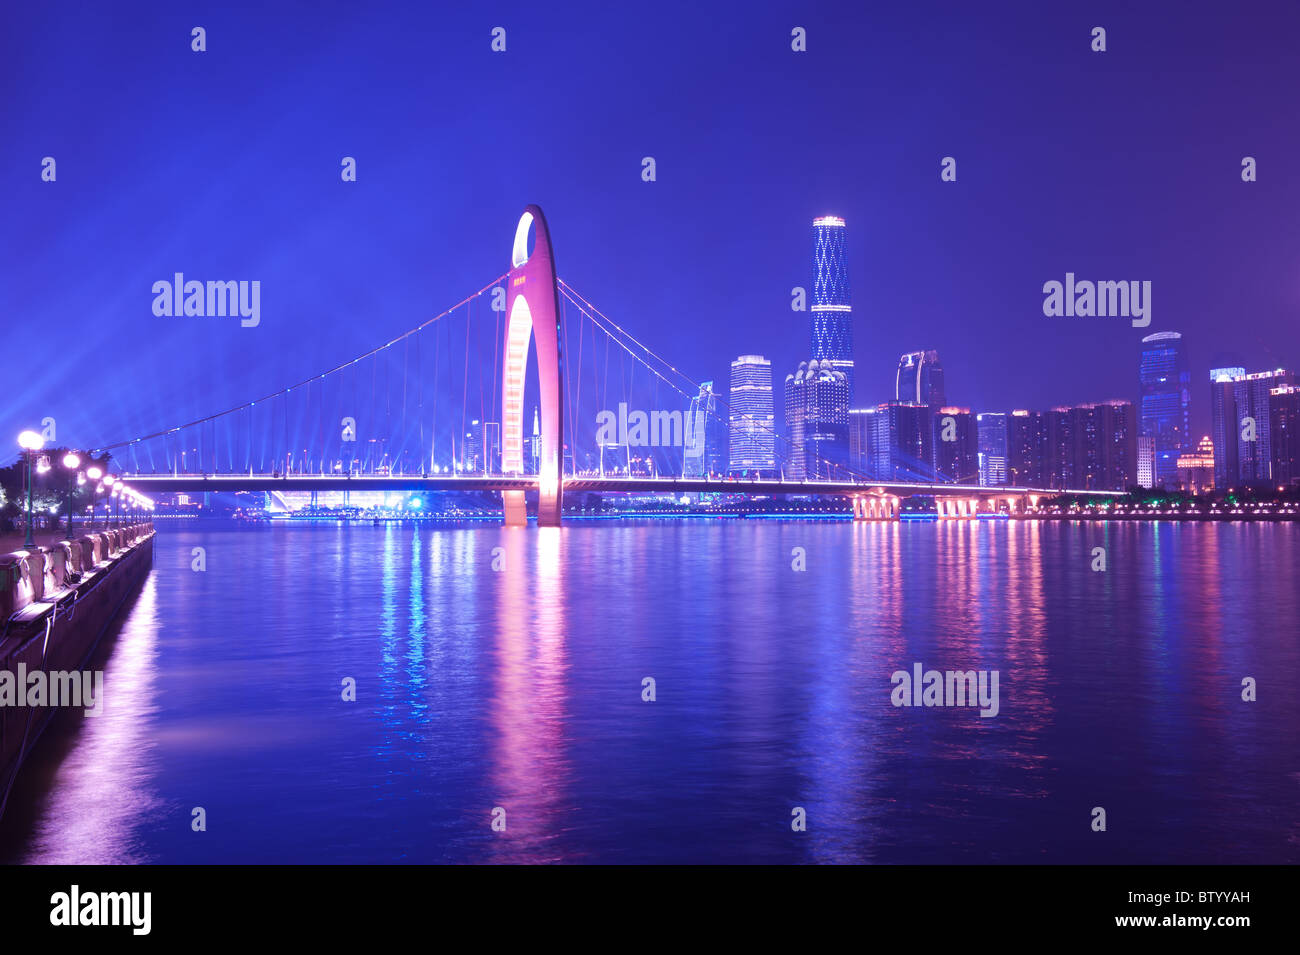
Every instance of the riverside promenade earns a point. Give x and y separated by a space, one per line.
56 601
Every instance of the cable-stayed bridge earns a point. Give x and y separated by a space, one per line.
451 406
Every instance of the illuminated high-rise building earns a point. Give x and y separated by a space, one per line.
991 436
817 422
1254 433
752 421
1166 389
705 436
1223 423
1146 463
1196 468
919 379
1284 434
832 307
904 441
862 442
956 446
1027 451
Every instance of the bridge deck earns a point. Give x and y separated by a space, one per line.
414 482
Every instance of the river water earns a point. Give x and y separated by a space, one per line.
499 674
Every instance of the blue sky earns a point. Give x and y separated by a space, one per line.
225 165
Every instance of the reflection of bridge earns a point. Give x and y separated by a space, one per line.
337 431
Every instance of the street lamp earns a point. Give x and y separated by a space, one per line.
94 472
72 461
30 442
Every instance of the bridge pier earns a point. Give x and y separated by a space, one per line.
875 507
515 510
956 508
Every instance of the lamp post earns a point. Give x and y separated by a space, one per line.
94 472
71 461
115 497
30 442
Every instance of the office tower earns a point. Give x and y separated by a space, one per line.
480 451
862 442
1026 448
1119 429
471 449
705 436
1251 394
956 446
817 422
1058 464
1165 383
919 379
1196 468
991 433
753 424
1223 424
1146 464
1284 434
1088 443
904 442
832 308
1092 447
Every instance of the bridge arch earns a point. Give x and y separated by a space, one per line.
533 314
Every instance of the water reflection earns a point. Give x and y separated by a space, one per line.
527 751
106 785
502 667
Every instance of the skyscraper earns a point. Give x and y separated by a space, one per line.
956 455
862 442
817 422
1284 434
753 424
705 436
920 379
1223 424
991 435
1058 465
1165 400
904 441
1027 452
1105 446
1253 432
832 307
1147 461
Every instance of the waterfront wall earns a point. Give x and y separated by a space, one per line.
55 604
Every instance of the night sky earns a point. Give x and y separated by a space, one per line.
225 165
